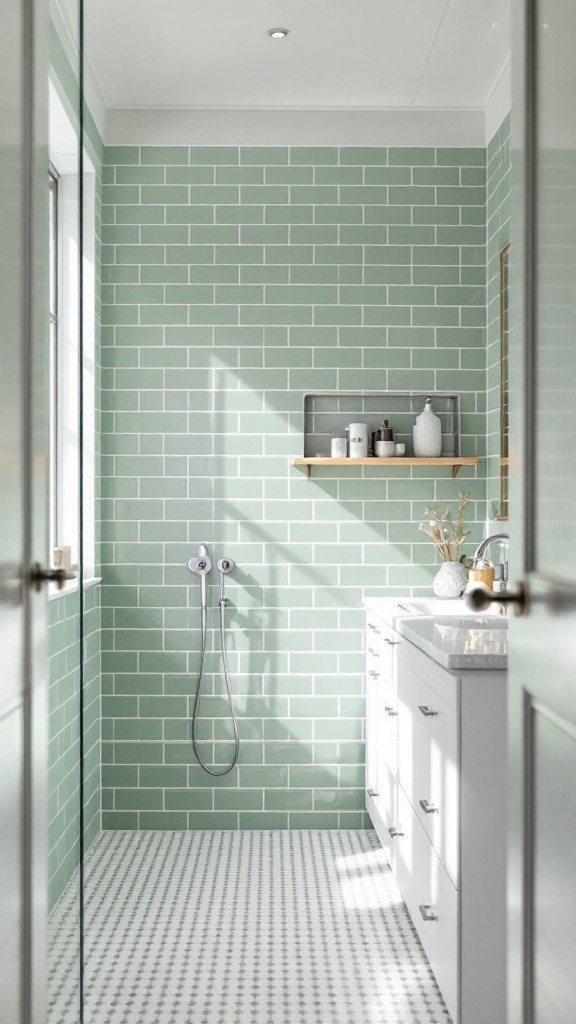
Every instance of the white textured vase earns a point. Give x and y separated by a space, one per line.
450 580
427 434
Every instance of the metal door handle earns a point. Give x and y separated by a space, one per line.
390 711
428 808
480 598
38 576
374 673
395 832
373 628
391 643
426 711
427 912
372 793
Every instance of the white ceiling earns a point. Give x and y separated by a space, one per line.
340 54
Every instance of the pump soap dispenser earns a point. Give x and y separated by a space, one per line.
427 434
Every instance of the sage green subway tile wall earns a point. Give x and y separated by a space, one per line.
236 279
64 745
498 187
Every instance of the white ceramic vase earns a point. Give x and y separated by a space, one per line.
427 434
450 580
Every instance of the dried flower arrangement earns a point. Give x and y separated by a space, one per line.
446 532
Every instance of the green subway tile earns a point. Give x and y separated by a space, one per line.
140 175
287 800
190 214
212 820
161 155
278 175
139 214
339 215
263 820
139 254
177 820
254 274
189 799
265 776
287 753
183 175
264 194
414 156
460 157
275 315
138 753
138 800
338 799
256 234
190 254
164 233
236 254
115 234
289 254
124 820
289 214
213 155
338 254
122 154
263 155
239 214
364 155
313 820
115 194
238 800
387 175
209 274
411 195
119 775
164 194
238 175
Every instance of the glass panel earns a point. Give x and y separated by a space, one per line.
556 248
554 872
65 722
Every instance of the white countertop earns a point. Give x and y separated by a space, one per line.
449 632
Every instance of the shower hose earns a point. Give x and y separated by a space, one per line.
210 771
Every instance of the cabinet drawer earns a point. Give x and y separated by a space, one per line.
382 806
428 765
429 893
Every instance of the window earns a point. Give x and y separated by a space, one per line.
65 226
53 284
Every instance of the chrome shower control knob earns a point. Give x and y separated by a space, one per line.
226 564
200 565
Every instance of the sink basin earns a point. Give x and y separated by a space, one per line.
473 622
458 641
451 608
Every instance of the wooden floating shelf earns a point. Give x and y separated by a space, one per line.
399 460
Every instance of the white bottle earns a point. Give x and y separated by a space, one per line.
358 440
427 434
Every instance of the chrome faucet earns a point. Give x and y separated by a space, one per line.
482 549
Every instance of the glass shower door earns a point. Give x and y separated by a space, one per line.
63 438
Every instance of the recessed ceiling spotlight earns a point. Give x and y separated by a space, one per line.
278 33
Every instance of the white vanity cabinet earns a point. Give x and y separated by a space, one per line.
436 795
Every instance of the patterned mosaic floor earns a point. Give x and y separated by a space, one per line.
242 928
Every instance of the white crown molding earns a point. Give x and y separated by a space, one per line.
499 104
218 127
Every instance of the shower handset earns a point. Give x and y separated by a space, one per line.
201 565
224 566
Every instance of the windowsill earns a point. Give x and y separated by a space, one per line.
71 587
